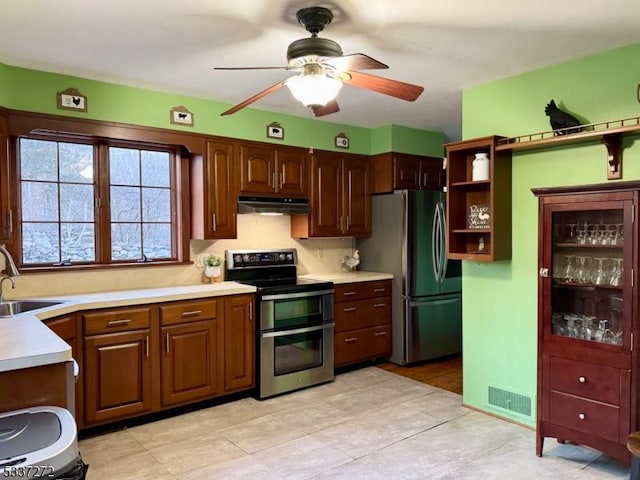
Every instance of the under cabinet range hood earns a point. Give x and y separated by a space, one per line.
273 205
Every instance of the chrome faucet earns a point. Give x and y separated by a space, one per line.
13 285
9 265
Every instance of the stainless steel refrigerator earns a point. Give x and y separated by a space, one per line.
408 240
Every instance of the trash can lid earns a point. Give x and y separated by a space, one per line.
27 432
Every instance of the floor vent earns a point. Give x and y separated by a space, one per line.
514 402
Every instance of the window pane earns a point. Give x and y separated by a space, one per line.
78 242
156 205
125 241
124 166
40 243
125 204
157 240
76 203
39 201
38 160
76 163
155 168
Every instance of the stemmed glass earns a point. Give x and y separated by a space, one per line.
616 273
600 277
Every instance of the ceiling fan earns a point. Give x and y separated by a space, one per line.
323 69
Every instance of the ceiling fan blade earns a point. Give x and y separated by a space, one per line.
255 98
330 107
355 61
393 88
251 68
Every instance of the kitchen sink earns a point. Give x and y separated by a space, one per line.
14 307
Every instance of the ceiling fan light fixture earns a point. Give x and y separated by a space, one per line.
315 89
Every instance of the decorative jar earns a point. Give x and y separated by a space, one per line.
480 165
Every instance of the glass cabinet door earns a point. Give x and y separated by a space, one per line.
589 255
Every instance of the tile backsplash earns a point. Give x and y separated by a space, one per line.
254 231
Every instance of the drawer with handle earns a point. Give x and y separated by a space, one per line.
362 313
363 344
360 290
116 320
188 311
588 380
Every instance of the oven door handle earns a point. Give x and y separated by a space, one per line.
287 296
295 331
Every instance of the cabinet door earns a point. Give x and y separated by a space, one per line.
291 178
406 172
588 292
257 169
239 343
189 363
356 196
117 376
431 173
327 219
220 201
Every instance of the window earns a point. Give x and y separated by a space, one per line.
95 203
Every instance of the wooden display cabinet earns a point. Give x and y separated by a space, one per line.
467 198
587 316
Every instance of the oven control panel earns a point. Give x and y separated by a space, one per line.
261 258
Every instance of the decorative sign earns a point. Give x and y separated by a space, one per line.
72 99
342 141
274 130
181 116
478 217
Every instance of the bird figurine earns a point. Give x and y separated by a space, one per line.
561 122
351 262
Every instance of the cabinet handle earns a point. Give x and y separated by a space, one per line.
273 181
191 313
379 305
425 179
582 416
348 293
281 180
376 290
166 341
214 225
378 334
250 311
544 272
117 323
582 379
147 345
341 229
350 309
9 228
348 224
350 339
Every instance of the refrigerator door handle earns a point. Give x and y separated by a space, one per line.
435 254
443 240
439 244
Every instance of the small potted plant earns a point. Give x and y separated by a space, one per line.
212 267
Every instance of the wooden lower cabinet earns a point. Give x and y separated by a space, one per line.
117 375
239 343
142 359
189 363
363 321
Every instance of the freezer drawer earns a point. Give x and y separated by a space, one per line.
433 327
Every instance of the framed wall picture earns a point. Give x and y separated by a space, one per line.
181 116
478 216
72 99
275 130
342 141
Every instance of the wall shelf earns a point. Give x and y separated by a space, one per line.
610 133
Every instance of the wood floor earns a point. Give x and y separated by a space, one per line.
445 373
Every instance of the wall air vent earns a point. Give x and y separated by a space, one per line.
513 402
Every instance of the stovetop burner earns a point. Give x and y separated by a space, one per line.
271 271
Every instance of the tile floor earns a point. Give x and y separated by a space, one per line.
368 424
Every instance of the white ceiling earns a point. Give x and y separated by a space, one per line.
446 46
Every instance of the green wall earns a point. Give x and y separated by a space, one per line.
500 300
35 91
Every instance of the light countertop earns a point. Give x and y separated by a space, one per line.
348 277
27 342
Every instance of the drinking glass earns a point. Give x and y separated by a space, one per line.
616 273
600 277
570 271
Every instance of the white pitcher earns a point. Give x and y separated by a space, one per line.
480 169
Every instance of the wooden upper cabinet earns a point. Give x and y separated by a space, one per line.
214 192
398 171
269 170
340 197
356 196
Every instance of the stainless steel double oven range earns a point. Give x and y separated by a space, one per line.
295 320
